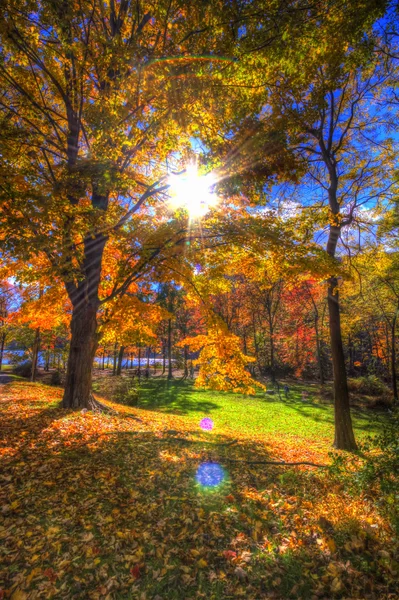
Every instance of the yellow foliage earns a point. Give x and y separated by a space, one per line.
222 363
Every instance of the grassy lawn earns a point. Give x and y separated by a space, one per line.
115 506
270 414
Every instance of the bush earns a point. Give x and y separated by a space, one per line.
55 378
125 392
369 385
377 471
23 369
379 395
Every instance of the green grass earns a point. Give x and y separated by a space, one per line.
263 414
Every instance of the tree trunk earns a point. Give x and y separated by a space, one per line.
120 359
393 360
35 356
344 436
185 363
47 363
318 350
84 342
148 357
115 359
170 375
256 347
2 342
272 369
103 361
163 357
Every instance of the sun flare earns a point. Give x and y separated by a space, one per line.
192 192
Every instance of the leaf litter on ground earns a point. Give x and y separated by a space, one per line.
97 505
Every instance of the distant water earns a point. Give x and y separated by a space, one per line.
97 361
134 362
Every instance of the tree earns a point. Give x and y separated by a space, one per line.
91 112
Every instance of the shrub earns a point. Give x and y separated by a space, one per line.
125 392
376 472
23 369
378 395
55 378
369 385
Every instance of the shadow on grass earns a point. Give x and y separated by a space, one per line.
98 510
180 397
174 396
321 411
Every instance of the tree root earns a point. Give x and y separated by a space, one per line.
99 407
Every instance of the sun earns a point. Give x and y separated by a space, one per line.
192 192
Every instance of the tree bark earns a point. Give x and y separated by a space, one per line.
163 357
47 365
35 356
115 360
393 359
84 342
185 363
318 350
170 374
83 294
272 368
120 359
344 436
2 342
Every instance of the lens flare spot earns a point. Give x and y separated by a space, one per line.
206 424
210 474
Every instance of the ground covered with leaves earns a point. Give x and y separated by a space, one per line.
109 506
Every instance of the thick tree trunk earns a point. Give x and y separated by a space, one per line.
120 359
35 356
344 436
84 343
